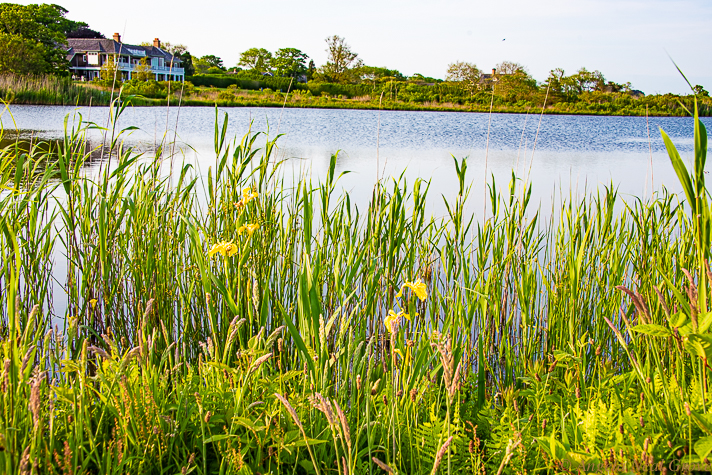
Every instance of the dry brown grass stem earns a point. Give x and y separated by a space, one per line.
382 465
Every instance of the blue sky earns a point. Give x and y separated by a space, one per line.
625 40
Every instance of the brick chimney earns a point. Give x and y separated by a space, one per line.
494 71
156 43
117 37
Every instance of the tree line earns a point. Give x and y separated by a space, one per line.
33 40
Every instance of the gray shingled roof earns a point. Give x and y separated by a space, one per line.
83 45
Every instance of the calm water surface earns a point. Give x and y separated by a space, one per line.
573 154
568 153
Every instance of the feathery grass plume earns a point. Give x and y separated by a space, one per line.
290 409
35 400
6 375
295 417
322 405
344 424
258 362
99 351
439 456
382 465
455 384
509 451
616 332
24 468
639 303
446 358
273 336
692 296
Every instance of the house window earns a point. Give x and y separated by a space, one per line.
93 58
84 58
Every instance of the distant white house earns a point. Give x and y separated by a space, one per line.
86 57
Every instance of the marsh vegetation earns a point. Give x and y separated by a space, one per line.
238 320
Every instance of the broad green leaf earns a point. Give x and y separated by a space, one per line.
652 329
705 321
703 447
217 438
699 345
704 421
680 170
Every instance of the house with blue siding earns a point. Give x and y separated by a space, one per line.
86 56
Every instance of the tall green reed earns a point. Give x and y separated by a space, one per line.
271 353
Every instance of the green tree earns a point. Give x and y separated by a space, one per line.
466 74
187 63
85 32
212 61
257 59
109 70
585 81
290 62
142 71
513 82
180 51
311 70
342 65
700 91
200 66
374 73
20 55
35 33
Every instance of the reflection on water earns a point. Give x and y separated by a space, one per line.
561 156
553 152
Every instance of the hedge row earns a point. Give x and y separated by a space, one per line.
281 84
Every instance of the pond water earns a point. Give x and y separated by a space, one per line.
568 153
562 156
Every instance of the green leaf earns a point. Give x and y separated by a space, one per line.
699 345
703 447
705 321
652 329
678 319
217 438
681 171
704 421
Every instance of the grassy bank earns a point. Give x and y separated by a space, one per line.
229 322
667 105
49 90
52 90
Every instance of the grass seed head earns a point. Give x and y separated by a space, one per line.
382 465
374 388
441 453
25 462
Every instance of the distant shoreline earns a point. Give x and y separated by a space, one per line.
334 105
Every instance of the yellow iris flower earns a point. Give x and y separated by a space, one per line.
93 303
249 228
225 248
418 287
393 319
247 196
